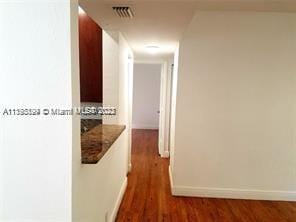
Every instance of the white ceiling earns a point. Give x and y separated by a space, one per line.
162 22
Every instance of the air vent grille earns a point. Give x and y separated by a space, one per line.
123 11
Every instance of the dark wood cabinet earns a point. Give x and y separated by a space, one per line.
91 60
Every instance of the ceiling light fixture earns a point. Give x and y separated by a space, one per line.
152 49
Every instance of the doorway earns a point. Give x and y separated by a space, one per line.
151 102
146 96
146 107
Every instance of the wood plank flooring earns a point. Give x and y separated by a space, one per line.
148 196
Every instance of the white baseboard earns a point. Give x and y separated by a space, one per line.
130 167
118 201
145 127
233 193
165 154
171 179
230 193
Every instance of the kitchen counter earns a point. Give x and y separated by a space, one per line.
88 124
97 141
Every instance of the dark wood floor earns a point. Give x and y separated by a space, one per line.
148 196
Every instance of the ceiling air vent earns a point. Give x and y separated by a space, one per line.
123 12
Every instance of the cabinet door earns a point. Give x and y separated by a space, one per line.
90 56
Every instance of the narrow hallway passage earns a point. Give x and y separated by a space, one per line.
148 196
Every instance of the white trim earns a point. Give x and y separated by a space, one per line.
162 109
145 127
171 179
165 154
118 201
130 167
230 193
234 193
167 124
151 61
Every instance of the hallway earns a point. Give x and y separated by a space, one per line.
148 196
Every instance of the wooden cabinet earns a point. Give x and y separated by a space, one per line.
90 56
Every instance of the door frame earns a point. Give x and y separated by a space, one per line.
164 106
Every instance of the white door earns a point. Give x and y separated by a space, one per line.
161 132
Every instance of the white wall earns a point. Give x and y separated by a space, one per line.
42 178
110 73
98 188
125 77
146 95
235 118
126 59
36 69
174 85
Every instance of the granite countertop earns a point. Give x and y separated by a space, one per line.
88 124
97 141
